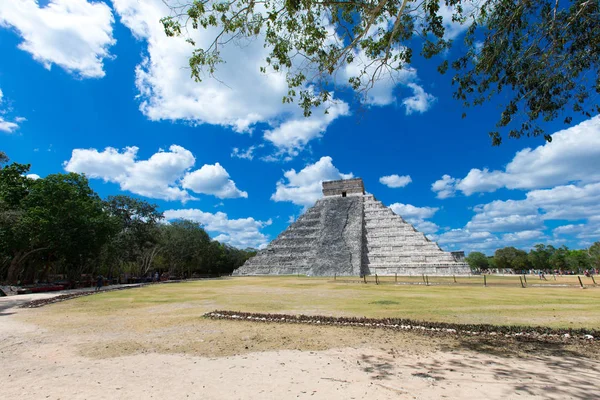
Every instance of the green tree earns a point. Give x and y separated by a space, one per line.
137 241
67 217
16 242
594 254
185 247
478 261
510 257
558 260
539 256
542 57
578 260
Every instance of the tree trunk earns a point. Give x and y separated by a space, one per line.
13 273
18 258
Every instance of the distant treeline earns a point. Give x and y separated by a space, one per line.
540 258
58 226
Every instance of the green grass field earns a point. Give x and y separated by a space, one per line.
468 301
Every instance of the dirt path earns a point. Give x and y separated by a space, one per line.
39 364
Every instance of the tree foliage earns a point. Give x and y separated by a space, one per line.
541 57
477 261
510 257
546 258
58 226
594 254
539 256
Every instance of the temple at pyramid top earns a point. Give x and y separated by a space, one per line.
344 187
348 232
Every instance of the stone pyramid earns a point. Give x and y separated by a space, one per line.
348 232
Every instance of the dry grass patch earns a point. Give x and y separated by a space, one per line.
167 318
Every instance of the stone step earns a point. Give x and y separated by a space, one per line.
293 241
409 258
417 265
407 252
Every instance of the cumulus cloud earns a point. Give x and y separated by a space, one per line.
523 222
444 187
214 180
395 181
572 156
238 97
241 232
568 202
74 34
34 177
381 90
562 183
293 135
304 187
408 211
8 126
417 216
165 175
427 227
588 233
488 242
419 102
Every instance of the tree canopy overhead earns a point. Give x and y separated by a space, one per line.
542 55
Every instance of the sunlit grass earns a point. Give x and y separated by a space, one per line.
502 302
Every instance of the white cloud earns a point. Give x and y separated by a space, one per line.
73 34
444 187
572 156
464 239
214 180
416 216
293 135
7 126
588 232
304 188
563 182
427 227
456 28
410 212
419 102
395 181
241 233
522 222
239 96
247 154
567 202
481 223
523 236
35 177
165 175
380 91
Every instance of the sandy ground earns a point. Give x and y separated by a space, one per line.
38 363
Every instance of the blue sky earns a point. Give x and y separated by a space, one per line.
105 93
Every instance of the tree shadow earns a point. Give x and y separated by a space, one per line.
381 368
516 347
549 370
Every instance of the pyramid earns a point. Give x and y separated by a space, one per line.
350 233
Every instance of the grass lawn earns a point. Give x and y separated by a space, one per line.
167 318
502 302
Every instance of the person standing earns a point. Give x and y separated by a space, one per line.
99 282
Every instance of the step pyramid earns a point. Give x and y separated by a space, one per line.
350 233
